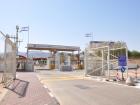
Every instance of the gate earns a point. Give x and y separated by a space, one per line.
102 59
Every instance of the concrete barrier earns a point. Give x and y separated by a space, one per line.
130 81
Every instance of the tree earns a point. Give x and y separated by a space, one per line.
133 54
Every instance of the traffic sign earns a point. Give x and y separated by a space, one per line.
123 69
122 60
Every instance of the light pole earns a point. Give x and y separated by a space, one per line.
89 35
26 29
28 35
17 30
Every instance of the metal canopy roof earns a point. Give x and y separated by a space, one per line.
52 47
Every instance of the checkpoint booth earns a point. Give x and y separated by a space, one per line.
59 55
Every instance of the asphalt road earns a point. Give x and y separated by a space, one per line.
71 89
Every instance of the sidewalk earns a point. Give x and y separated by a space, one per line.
27 90
3 91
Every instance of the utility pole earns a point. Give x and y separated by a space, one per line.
89 35
28 43
17 30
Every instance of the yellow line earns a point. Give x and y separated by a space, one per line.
61 79
64 77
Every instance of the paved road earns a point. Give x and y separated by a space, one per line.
71 89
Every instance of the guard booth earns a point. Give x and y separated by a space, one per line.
58 54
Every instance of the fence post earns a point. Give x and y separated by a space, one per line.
126 62
108 62
102 62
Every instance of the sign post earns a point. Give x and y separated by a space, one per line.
123 70
122 63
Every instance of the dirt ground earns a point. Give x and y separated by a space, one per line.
134 61
135 73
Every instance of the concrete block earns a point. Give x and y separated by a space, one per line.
130 81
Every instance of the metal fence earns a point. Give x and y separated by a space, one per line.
2 50
102 59
8 61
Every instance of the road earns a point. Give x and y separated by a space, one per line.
70 88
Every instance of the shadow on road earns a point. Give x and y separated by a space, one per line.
19 87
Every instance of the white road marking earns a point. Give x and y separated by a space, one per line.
45 86
51 94
16 76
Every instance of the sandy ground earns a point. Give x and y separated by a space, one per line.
135 61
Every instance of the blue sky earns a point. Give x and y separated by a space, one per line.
65 22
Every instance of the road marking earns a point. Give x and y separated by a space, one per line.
45 86
16 76
51 94
61 78
55 77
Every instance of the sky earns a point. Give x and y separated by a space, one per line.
65 22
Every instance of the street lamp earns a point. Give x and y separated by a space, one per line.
26 29
89 35
17 30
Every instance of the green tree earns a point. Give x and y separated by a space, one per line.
134 54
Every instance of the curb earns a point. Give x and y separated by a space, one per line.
99 79
49 92
51 95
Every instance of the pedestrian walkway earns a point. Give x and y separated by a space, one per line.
27 90
3 91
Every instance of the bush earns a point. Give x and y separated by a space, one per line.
134 54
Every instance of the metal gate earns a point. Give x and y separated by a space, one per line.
102 59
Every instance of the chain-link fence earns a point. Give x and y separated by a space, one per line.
102 59
8 61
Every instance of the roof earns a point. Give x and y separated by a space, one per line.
52 47
21 57
101 42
